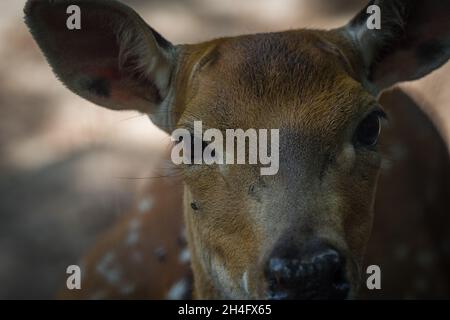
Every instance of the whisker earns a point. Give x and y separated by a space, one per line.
133 117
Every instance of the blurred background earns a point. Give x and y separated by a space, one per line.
65 164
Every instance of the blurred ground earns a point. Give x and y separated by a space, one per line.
63 160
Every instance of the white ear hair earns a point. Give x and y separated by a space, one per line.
151 60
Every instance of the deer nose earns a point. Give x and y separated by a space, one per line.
319 274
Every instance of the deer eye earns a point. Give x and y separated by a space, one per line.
369 129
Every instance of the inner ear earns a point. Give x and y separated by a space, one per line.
115 60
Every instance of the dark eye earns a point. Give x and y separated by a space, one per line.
369 129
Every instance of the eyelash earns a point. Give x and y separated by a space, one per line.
367 132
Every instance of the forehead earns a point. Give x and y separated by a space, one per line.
276 80
293 61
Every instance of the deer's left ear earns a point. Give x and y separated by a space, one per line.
413 40
114 59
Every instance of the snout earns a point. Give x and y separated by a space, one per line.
315 272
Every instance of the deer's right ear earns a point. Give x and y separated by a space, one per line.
114 60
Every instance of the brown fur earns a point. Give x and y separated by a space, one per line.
288 81
315 86
410 223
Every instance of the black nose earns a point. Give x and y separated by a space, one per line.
315 273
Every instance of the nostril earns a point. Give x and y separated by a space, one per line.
322 275
335 265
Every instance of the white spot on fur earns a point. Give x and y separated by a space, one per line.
185 256
145 205
107 259
133 232
132 238
109 269
224 281
178 290
245 282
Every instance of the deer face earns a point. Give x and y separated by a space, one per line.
300 233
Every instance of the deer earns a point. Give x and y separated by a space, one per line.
304 232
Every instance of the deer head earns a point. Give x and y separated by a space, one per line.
302 232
